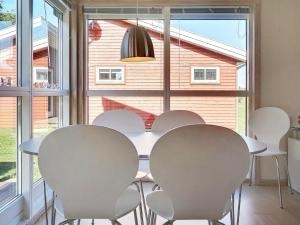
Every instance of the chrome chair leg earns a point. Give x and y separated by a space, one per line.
135 217
170 222
251 169
78 222
288 176
53 209
216 223
233 208
45 202
239 205
143 199
141 214
278 180
115 222
93 221
70 222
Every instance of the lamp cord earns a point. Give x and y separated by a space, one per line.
137 12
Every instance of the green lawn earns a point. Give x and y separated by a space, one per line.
241 110
7 153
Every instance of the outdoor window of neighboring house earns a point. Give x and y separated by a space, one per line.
42 74
205 75
110 75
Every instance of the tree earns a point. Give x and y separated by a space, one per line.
7 15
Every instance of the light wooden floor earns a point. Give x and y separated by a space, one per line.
260 206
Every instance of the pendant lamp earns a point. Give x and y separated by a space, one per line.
137 45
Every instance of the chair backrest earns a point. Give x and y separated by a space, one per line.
88 167
120 120
199 167
176 118
269 124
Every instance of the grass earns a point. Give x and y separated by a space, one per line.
241 111
8 153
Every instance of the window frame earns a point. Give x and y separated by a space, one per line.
110 81
167 92
205 81
36 68
21 206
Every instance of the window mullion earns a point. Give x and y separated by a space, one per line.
167 58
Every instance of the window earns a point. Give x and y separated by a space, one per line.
39 60
110 75
9 108
202 64
42 76
205 75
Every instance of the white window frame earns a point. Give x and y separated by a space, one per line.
99 81
35 69
193 81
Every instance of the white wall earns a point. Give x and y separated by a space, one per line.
280 62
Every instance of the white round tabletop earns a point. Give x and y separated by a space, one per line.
143 142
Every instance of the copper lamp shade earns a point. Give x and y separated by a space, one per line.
137 46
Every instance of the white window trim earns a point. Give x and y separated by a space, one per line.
98 81
35 69
217 81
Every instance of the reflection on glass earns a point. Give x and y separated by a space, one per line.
106 71
45 118
8 148
229 112
148 108
8 49
46 46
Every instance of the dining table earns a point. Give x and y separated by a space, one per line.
143 142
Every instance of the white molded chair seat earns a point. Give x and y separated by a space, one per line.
208 164
160 203
128 200
271 151
175 118
69 157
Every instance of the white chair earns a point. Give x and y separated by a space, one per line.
269 125
198 167
175 118
121 120
77 163
124 121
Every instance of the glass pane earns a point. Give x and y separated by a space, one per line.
8 48
8 148
104 43
199 74
45 118
148 108
104 76
46 45
208 43
211 74
229 112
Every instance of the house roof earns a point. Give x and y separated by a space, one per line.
39 43
197 40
